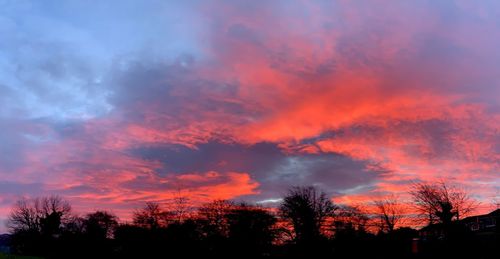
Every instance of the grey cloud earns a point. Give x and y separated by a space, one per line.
14 188
213 156
266 163
14 142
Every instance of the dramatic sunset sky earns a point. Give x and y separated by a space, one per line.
113 103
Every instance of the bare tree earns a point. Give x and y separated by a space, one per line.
23 217
213 217
496 200
151 216
55 204
350 217
307 209
180 207
441 202
390 213
45 215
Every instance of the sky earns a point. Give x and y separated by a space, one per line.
110 104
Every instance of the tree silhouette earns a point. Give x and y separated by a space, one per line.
222 229
36 223
44 215
180 207
350 218
441 202
212 218
151 216
390 213
24 217
349 226
100 224
251 229
307 209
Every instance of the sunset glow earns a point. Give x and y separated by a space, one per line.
243 99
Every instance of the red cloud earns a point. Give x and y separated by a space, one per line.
395 86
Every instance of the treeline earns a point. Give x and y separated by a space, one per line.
306 224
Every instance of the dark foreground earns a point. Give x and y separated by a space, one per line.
306 225
185 241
